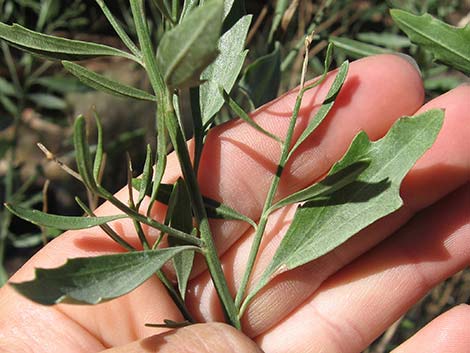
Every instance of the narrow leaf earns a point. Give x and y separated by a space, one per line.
356 49
281 7
214 209
82 153
186 50
331 184
238 110
105 84
448 44
224 71
54 47
6 87
60 222
118 28
326 106
385 39
262 78
91 280
164 10
182 219
98 161
321 226
146 179
47 101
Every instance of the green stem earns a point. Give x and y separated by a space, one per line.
177 234
197 126
175 296
166 111
158 85
267 205
209 249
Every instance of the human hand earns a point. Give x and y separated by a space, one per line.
338 303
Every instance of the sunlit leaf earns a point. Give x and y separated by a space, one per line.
326 106
385 39
6 87
356 49
320 226
331 184
60 222
238 110
186 50
262 77
224 71
47 101
102 83
55 47
91 280
448 44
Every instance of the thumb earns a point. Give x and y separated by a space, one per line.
201 338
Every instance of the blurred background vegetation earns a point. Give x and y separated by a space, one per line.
39 100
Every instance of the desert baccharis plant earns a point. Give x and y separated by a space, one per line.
200 55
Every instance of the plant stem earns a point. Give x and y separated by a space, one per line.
166 111
177 234
267 205
197 126
158 86
209 249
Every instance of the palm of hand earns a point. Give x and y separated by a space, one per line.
338 303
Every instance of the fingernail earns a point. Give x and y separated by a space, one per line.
410 60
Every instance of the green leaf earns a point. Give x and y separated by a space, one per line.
356 49
145 185
331 184
26 240
385 39
60 222
105 84
219 210
326 106
238 110
234 10
91 280
98 161
164 10
214 209
82 154
262 78
448 44
54 47
181 219
47 101
281 7
61 84
186 50
6 87
320 226
224 71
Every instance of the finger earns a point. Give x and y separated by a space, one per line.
442 169
357 304
448 333
201 338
